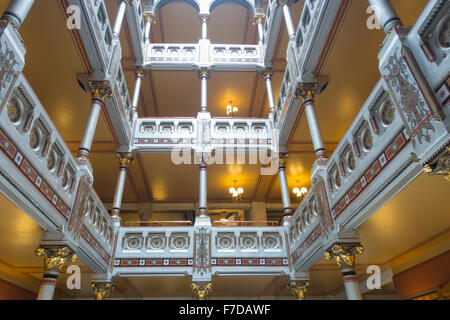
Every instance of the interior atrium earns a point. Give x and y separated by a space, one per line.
225 149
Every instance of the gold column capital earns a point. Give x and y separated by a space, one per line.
441 166
306 91
204 17
344 254
141 71
204 73
260 18
125 158
266 73
55 257
279 3
298 288
149 17
102 289
100 89
201 289
283 158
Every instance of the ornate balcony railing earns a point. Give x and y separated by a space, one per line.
171 251
41 176
272 24
220 57
171 56
37 167
136 26
165 134
104 54
239 57
96 35
244 250
304 56
154 251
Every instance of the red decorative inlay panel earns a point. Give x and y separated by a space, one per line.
383 160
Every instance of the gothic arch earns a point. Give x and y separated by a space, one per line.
160 3
249 4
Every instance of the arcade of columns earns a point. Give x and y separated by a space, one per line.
342 255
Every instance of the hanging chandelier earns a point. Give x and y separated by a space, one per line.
299 192
232 111
236 192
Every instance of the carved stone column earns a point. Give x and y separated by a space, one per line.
204 17
284 186
287 18
140 74
306 92
119 17
204 75
100 90
259 22
54 260
102 290
298 289
124 161
201 290
17 11
149 18
202 197
344 256
267 75
386 14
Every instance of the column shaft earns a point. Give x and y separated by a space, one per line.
204 93
124 161
204 29
284 189
351 284
202 198
17 11
260 32
119 18
148 28
48 285
288 19
89 132
270 94
386 14
119 190
137 92
314 129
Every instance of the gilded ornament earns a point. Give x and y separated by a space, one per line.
125 159
298 289
55 257
343 256
201 289
102 290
